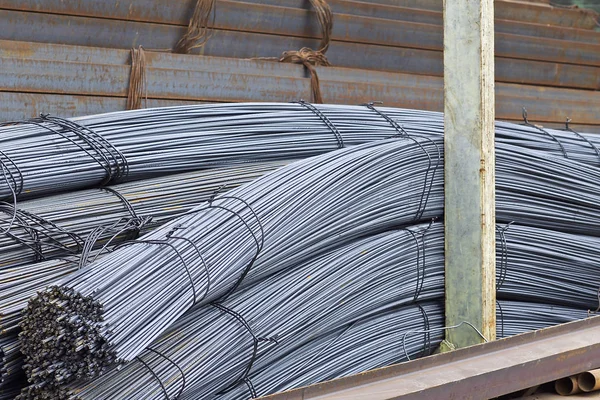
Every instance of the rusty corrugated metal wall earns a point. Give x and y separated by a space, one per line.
72 58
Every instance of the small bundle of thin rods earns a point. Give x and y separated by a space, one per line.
50 154
62 224
115 308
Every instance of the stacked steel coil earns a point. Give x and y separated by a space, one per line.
277 221
51 154
67 224
386 338
279 314
547 266
254 339
515 317
113 310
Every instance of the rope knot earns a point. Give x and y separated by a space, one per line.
306 56
309 58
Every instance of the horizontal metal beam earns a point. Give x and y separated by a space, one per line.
19 106
535 25
121 34
299 23
111 80
479 372
516 11
507 70
247 81
262 13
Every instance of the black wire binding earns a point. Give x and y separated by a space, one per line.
165 242
126 203
427 181
176 366
206 270
98 143
16 188
258 241
403 134
131 225
399 129
255 341
155 377
503 255
579 135
40 231
251 388
421 261
171 246
527 123
34 242
426 332
110 159
326 121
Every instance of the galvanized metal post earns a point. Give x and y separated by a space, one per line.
469 170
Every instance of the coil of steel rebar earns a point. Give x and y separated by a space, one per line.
334 289
547 266
282 316
278 221
51 154
515 317
381 340
61 224
386 338
534 188
39 229
66 225
202 256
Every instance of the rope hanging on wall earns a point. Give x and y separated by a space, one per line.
311 58
196 34
137 89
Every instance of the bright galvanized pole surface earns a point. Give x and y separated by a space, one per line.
469 169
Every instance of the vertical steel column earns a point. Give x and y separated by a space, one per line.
469 169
